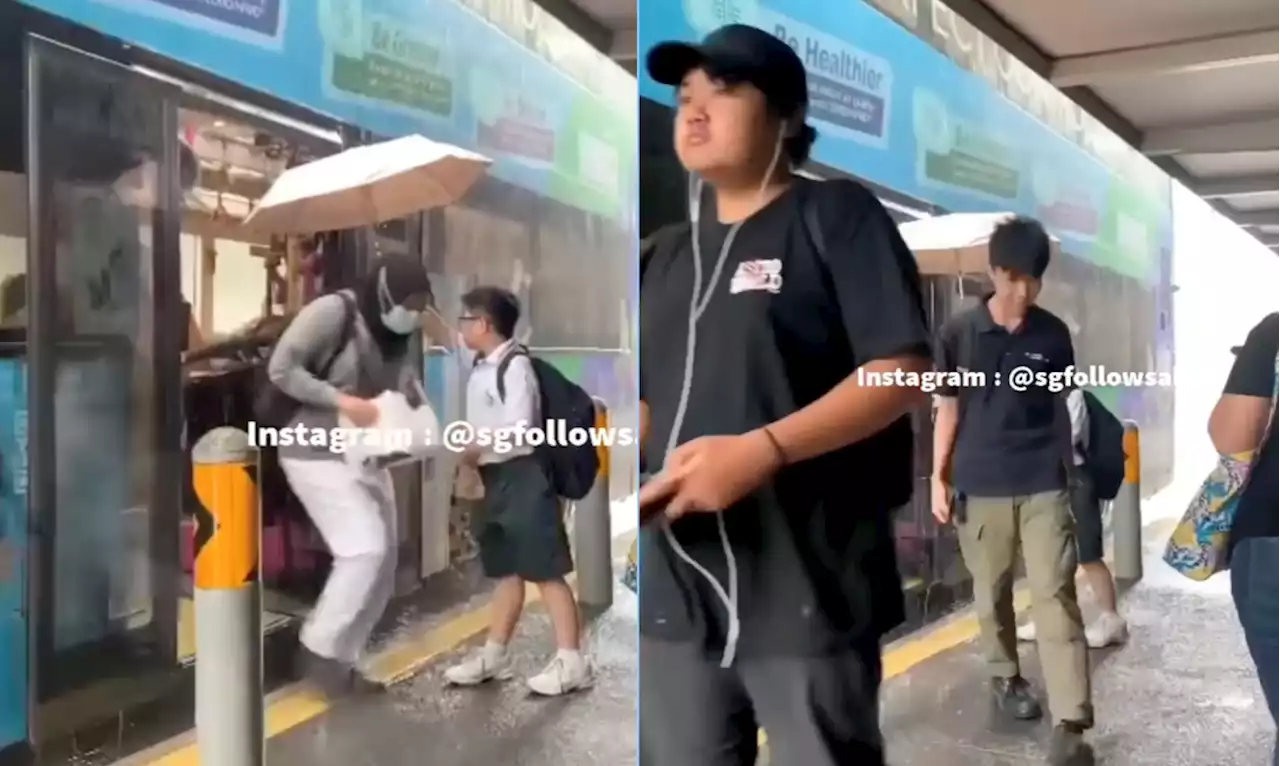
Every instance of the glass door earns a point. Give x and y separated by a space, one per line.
105 489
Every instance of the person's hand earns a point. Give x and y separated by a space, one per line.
471 456
361 412
414 396
940 497
710 474
438 332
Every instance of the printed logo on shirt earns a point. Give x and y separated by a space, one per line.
1036 357
754 276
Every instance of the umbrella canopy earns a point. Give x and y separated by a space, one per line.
955 244
367 185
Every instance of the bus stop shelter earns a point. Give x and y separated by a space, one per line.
1193 85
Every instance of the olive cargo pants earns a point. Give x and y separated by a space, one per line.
990 531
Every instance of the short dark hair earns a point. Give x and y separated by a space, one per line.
1020 245
798 146
501 307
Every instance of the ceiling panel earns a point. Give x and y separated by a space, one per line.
1177 89
615 14
1087 26
1255 202
1233 164
1192 98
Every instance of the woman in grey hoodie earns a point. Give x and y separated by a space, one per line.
367 333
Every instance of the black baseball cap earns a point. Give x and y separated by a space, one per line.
737 53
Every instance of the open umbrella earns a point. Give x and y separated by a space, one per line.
367 185
949 245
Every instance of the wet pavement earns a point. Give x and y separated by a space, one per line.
1183 692
423 721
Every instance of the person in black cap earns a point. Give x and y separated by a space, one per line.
767 566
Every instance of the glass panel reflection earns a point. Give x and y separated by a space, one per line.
101 139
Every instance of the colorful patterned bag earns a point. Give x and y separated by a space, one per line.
1200 545
631 573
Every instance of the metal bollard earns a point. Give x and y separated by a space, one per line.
1126 510
592 533
229 685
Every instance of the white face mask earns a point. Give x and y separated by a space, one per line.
395 317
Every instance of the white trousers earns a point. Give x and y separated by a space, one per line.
355 512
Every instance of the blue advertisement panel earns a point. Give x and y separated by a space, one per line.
397 67
890 108
258 21
13 536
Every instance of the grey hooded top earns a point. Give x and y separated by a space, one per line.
359 369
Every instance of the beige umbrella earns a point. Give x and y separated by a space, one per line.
948 245
367 185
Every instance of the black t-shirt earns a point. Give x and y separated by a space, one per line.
814 548
1008 442
1254 374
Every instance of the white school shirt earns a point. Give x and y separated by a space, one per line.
487 411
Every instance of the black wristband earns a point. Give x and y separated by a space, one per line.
777 447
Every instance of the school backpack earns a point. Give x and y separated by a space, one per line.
273 407
1104 455
573 466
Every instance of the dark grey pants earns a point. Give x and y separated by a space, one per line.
817 711
522 532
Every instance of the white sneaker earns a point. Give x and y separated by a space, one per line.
1027 632
563 675
484 665
1109 629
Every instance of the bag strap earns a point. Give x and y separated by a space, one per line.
813 226
1275 409
502 369
964 358
813 231
649 245
964 354
344 337
1266 430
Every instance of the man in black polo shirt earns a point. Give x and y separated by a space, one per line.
768 576
1001 456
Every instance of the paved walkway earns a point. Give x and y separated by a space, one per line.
1183 692
422 721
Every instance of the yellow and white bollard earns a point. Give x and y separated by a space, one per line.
229 684
1126 510
592 533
